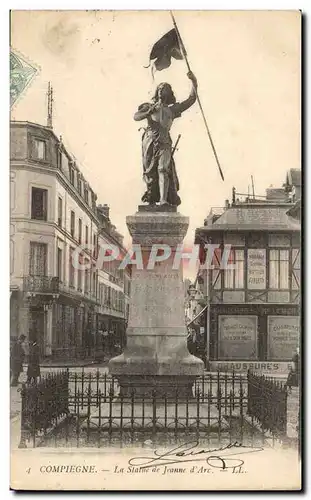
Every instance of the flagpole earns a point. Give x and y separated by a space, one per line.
197 96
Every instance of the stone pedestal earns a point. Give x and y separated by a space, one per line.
156 357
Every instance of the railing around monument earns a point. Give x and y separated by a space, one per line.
43 406
218 411
267 403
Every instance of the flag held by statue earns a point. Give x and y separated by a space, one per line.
164 49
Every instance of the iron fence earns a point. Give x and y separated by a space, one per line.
95 413
267 403
43 404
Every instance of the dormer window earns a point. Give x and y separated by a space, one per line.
86 194
79 185
71 175
39 149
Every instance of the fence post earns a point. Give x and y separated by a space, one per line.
24 432
154 412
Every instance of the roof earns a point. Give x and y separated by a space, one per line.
259 217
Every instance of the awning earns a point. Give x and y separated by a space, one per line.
197 316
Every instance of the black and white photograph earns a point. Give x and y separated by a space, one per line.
156 192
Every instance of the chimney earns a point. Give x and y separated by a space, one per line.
104 210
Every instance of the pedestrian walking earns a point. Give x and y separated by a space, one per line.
33 370
17 358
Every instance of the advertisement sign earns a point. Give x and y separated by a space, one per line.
265 367
256 269
283 336
237 337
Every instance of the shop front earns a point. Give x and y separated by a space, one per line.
262 338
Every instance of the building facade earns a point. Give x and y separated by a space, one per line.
113 289
252 288
53 213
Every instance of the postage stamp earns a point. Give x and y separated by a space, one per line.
21 75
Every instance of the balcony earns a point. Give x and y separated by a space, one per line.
41 284
77 293
51 285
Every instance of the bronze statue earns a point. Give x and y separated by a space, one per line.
159 170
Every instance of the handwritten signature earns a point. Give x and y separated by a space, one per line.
189 452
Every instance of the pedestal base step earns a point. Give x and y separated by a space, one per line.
143 415
156 386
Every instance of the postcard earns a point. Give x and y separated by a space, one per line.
155 221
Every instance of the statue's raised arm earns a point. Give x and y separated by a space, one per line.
180 107
159 171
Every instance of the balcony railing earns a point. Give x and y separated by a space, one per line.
41 284
52 285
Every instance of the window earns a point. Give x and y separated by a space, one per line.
59 159
113 296
94 245
38 259
72 223
79 185
126 285
234 278
71 175
80 231
60 212
39 149
59 264
80 280
86 194
39 203
71 269
107 296
94 282
86 235
101 293
279 269
87 277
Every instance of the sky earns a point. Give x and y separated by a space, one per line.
248 68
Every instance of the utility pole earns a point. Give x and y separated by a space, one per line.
253 187
50 106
